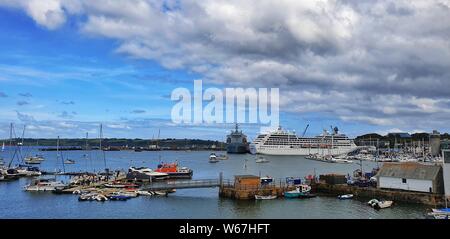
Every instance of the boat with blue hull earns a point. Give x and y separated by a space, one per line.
300 191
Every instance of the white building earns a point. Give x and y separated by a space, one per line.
446 155
411 177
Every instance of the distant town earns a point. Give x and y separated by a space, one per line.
398 140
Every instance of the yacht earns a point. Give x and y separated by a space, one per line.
33 160
213 158
44 185
282 142
28 171
147 171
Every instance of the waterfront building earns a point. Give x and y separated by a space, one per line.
411 176
247 181
446 156
435 143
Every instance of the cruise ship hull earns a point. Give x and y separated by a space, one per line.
301 151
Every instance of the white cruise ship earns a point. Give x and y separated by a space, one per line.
281 142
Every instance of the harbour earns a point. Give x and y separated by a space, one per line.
196 202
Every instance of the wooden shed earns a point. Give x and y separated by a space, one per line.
247 181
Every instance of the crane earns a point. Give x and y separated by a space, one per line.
306 128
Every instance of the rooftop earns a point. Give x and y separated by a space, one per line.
410 170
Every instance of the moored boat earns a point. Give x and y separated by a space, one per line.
173 170
37 159
44 185
148 172
27 171
213 158
345 196
380 204
300 190
222 157
267 197
69 161
261 159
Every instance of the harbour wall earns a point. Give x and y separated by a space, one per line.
370 192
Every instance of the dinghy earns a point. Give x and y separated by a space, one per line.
345 196
261 197
380 204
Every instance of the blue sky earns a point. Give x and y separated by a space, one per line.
117 65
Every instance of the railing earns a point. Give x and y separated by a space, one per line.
225 183
183 184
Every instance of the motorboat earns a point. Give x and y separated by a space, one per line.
443 213
69 161
148 172
119 197
33 159
144 193
213 158
300 190
131 194
44 185
10 174
345 196
222 157
27 171
121 185
161 193
261 159
173 170
380 204
268 197
122 196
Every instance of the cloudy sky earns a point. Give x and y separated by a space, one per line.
365 66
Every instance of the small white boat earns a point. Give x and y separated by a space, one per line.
261 197
148 172
144 193
33 160
380 204
69 161
345 196
222 157
127 194
100 198
28 171
44 185
261 159
161 193
213 158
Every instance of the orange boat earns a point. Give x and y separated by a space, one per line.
174 171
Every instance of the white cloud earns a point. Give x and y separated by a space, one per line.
381 63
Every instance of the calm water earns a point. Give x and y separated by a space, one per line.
190 203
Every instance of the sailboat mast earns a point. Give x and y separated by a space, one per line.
103 152
57 155
10 145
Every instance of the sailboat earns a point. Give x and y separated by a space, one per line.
3 147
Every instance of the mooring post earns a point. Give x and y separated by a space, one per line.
221 179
